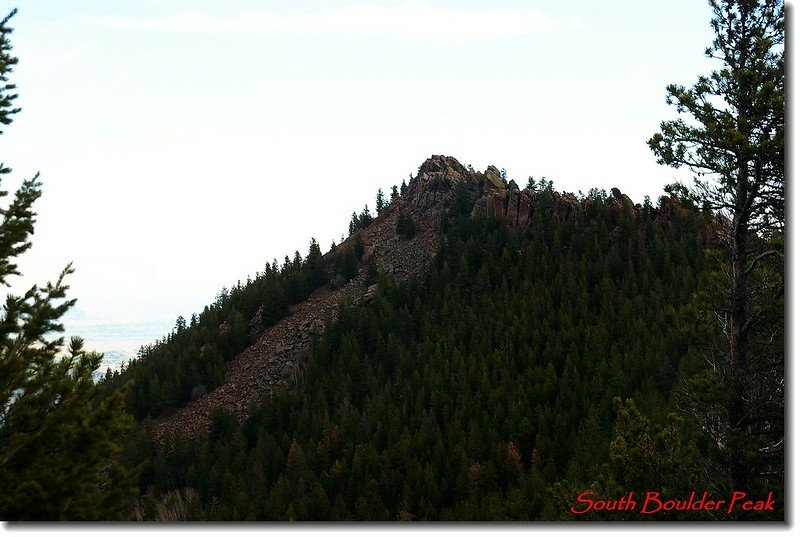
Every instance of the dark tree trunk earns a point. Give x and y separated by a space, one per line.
738 336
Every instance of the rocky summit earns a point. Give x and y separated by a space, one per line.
278 357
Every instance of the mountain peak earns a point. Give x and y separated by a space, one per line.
278 356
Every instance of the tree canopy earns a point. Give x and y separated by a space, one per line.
59 434
730 134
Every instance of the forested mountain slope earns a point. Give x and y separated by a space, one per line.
486 383
257 336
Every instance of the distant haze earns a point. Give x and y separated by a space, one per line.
119 341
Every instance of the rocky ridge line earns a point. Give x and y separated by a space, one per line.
278 357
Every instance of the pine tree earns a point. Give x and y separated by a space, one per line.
380 201
58 433
314 266
7 62
731 136
353 227
365 218
405 225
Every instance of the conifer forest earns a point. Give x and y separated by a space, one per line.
475 349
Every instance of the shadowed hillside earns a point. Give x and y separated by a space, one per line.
278 356
475 351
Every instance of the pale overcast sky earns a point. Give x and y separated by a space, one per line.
184 144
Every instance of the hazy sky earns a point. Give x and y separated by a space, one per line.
184 144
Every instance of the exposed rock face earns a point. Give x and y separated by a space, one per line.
621 204
499 202
524 214
427 191
507 204
667 210
493 180
274 361
279 356
483 208
513 204
567 208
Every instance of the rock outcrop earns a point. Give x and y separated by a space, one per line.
274 361
278 357
493 180
621 204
